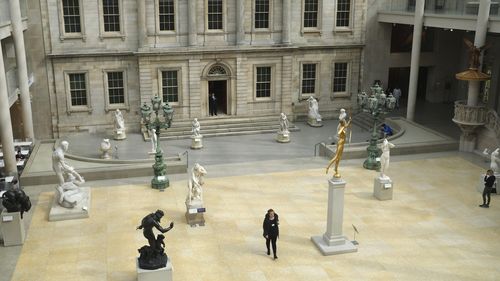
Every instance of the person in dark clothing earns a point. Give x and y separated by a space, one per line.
213 105
271 230
489 180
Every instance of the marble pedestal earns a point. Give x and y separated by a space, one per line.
333 242
313 122
382 188
120 135
194 214
12 228
160 274
283 137
80 211
196 142
480 186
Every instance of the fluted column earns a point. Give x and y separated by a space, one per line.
285 30
415 58
22 68
6 136
240 22
141 22
193 32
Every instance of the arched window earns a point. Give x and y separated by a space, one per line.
217 70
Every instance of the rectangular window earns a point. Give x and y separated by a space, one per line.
166 14
215 14
263 82
71 15
261 13
170 86
111 15
340 77
311 13
116 89
343 13
78 89
309 79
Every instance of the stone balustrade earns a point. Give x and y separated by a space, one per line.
469 115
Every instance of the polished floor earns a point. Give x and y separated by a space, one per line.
433 229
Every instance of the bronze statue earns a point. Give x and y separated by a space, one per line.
15 200
341 133
153 256
474 54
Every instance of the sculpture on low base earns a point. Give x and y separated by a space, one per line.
119 124
68 191
15 200
153 256
493 159
313 116
283 133
194 199
105 148
385 157
196 137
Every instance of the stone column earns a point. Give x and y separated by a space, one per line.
22 68
333 242
285 30
240 22
142 32
6 136
479 41
415 58
193 32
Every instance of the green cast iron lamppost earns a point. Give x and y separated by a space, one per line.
377 104
160 180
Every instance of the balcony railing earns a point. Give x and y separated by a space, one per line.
444 7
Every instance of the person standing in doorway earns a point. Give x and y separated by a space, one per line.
271 231
489 180
213 105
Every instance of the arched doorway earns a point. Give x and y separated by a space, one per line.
218 78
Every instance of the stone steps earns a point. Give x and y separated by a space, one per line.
224 126
363 120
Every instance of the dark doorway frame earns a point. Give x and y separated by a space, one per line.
219 88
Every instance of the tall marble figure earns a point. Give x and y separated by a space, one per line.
119 125
382 185
283 133
196 137
313 116
385 157
194 199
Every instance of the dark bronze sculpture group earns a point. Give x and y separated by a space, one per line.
15 200
153 256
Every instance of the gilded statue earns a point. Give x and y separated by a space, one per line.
341 134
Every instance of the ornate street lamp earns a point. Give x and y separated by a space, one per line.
377 104
161 120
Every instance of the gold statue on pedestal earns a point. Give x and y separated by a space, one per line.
341 133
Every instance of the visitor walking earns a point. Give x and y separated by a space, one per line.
271 231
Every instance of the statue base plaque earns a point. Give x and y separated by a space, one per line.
194 214
160 274
333 242
382 188
196 142
283 137
480 186
313 122
12 229
80 211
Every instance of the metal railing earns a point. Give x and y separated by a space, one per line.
445 7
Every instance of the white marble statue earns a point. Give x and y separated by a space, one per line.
69 181
105 148
314 109
196 128
195 191
493 158
283 124
154 139
385 157
119 124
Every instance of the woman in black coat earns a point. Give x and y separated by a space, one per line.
271 230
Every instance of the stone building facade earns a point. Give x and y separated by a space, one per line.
259 57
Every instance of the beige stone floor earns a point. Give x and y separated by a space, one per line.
432 230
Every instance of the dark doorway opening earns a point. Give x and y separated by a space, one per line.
219 88
400 77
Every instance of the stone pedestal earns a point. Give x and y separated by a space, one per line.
120 135
196 142
333 242
480 186
194 214
382 188
283 137
313 122
160 274
12 228
80 211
